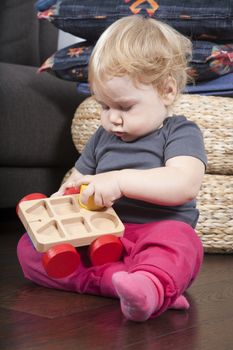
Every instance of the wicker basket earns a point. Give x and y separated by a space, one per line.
215 224
214 115
86 120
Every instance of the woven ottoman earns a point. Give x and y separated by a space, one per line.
214 115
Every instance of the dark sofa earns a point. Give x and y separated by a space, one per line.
36 110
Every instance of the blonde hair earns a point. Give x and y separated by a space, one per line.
145 49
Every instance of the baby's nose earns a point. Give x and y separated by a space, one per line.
115 117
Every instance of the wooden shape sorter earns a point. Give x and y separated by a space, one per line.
59 220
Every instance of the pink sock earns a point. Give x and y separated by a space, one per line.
180 303
140 296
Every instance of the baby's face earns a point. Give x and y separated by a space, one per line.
130 111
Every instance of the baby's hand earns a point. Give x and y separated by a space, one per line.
66 188
105 188
71 182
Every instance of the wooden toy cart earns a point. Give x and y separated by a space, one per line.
57 225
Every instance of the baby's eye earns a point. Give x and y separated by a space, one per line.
126 108
105 107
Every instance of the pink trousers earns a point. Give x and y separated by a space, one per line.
171 250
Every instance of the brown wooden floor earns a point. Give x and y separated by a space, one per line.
32 317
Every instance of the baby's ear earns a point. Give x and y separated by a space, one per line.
169 91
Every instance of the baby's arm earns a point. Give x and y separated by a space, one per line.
71 181
176 183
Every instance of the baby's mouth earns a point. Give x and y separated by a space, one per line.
118 133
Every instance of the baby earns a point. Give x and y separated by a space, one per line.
146 164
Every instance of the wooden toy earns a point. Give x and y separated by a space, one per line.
57 225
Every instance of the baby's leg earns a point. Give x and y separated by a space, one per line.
165 259
166 256
86 279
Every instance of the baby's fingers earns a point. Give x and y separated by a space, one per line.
56 194
66 188
87 191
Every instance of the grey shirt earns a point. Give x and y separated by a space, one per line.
177 137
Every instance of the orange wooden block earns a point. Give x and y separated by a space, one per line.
90 203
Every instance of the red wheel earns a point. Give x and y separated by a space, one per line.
30 197
61 260
105 249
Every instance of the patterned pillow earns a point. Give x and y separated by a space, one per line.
208 62
205 20
42 5
70 63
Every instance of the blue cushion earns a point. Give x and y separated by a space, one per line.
42 5
205 20
209 61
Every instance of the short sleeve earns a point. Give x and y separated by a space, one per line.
184 138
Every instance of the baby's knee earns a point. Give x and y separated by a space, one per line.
27 255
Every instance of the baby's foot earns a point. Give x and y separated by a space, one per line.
138 295
181 303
